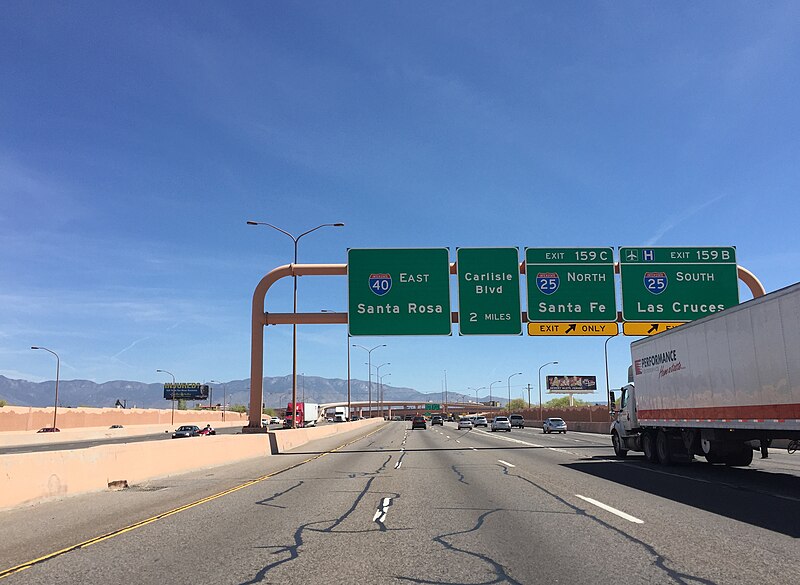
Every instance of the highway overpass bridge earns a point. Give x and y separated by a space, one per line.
403 407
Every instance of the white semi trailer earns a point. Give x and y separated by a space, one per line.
717 387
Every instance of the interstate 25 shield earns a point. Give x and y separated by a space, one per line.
547 282
380 284
655 282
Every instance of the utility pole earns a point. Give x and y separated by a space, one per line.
529 395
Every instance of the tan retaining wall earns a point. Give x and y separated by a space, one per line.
28 418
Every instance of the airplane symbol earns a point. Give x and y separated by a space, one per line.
632 256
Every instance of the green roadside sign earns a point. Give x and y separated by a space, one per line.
399 291
488 291
433 407
570 284
677 284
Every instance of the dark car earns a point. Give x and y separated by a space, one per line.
437 420
186 431
517 421
115 427
49 430
419 423
409 417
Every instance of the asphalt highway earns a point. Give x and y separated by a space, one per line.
432 506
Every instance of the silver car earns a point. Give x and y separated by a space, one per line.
501 423
464 423
554 425
480 421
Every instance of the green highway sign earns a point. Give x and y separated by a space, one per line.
677 284
570 284
488 291
433 407
399 291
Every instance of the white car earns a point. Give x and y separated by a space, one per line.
480 421
501 423
554 425
464 423
275 421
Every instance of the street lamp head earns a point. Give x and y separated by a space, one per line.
35 347
339 224
252 222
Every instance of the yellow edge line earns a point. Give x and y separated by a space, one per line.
86 543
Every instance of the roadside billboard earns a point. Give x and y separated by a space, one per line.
571 384
185 391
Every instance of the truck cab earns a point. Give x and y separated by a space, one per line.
624 424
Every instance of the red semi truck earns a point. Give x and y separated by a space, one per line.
307 415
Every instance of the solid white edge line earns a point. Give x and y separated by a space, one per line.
608 508
506 463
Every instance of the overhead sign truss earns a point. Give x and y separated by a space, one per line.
262 318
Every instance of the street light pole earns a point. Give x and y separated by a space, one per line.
295 239
476 392
509 391
539 383
490 388
380 387
58 370
608 389
173 393
348 377
369 372
224 395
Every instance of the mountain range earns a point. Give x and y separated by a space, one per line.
277 392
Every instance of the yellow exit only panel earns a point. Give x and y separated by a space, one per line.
576 329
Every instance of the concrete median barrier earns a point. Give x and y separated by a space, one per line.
28 478
286 439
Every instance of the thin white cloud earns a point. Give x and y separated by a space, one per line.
120 352
678 218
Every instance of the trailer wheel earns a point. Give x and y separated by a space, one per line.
619 451
649 448
663 448
741 459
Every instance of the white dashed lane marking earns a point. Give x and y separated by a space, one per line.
608 508
383 509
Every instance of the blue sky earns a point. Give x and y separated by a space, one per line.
136 140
